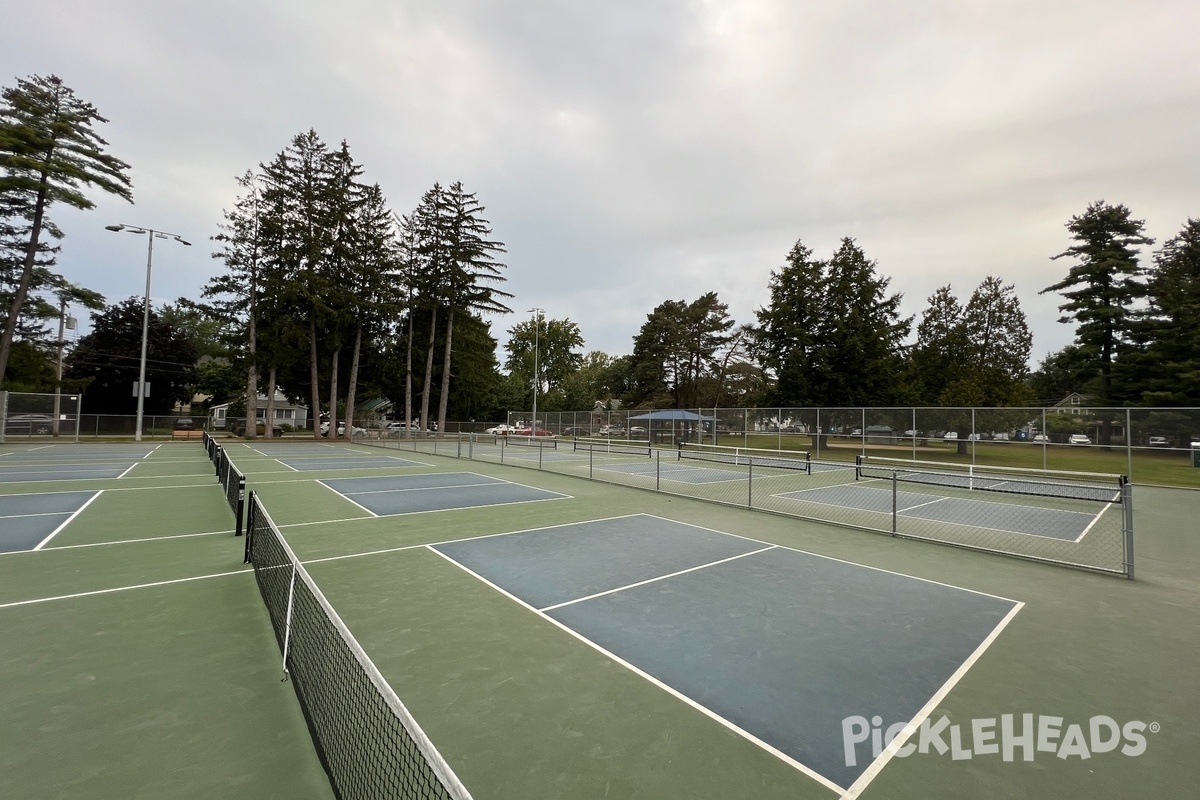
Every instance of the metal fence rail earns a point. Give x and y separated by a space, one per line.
1085 522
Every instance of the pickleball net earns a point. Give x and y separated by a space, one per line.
1093 486
798 460
367 740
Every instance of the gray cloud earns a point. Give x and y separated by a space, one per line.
630 153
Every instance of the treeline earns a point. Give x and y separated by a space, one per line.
322 277
331 297
831 335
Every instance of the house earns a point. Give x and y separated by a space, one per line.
285 413
1074 403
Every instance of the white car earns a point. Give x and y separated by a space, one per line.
1079 438
1159 441
951 436
1040 438
501 430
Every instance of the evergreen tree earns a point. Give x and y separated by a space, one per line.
676 349
785 339
1166 371
937 359
1103 286
48 153
860 337
471 272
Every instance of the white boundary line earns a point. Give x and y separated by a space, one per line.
445 541
347 499
876 766
424 488
289 466
657 578
808 771
126 472
67 521
1092 524
248 570
36 514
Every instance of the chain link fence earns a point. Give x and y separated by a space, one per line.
1150 445
1075 519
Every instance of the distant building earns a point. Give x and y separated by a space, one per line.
285 413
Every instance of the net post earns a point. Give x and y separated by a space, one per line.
240 508
658 471
251 525
1127 523
858 462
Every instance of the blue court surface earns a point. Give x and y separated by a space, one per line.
30 521
22 472
313 464
439 491
780 645
1050 523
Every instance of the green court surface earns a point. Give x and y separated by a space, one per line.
138 659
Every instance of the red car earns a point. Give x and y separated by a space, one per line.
532 432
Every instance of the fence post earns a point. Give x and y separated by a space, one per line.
78 415
4 414
658 470
1127 524
750 483
895 502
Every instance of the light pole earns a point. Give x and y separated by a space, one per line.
151 235
537 323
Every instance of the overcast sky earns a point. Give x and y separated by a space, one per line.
635 151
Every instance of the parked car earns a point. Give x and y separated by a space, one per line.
1040 438
950 436
35 424
577 432
501 430
636 430
1000 437
1079 438
394 429
341 429
239 429
611 430
532 432
1159 441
